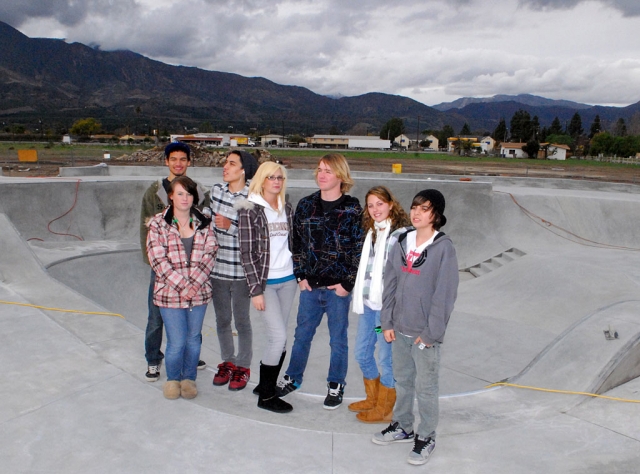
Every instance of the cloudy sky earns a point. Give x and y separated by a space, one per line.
430 50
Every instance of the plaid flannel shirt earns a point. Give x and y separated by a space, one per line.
155 200
228 266
253 236
176 274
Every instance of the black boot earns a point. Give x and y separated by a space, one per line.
267 399
256 391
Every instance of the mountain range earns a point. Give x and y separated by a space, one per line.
53 83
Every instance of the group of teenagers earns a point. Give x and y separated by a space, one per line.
242 244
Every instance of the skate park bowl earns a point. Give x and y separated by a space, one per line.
548 307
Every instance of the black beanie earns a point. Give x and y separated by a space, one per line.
249 163
436 199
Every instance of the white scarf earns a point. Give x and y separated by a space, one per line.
375 291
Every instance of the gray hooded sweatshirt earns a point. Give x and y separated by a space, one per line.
418 299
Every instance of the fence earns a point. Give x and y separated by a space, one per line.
628 160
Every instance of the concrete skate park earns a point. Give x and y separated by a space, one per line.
547 266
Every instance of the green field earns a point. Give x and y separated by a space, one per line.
447 158
67 154
63 153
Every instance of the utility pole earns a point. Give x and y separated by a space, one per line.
418 135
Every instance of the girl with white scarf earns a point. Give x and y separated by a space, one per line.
383 220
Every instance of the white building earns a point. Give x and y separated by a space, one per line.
557 152
403 140
435 143
487 144
512 150
271 140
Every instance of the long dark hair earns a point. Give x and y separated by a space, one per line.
397 215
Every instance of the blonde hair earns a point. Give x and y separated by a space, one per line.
266 169
338 164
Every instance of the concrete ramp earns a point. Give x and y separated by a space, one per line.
581 359
76 400
25 276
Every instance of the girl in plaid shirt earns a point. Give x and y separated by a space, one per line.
264 234
182 246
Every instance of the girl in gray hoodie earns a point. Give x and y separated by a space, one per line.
420 289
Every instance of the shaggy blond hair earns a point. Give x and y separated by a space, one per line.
266 169
338 164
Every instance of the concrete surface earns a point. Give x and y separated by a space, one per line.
75 399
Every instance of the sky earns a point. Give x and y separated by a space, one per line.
430 50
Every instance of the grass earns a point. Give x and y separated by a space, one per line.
447 158
61 152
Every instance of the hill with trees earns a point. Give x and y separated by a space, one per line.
53 83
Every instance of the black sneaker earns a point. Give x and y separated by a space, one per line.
334 395
422 449
201 365
286 386
392 434
153 373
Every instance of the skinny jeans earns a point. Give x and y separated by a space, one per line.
416 371
231 300
278 299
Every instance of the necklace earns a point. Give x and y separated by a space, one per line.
180 224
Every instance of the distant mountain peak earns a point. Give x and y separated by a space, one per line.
525 99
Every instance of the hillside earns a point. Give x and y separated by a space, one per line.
50 80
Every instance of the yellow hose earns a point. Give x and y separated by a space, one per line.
566 392
61 310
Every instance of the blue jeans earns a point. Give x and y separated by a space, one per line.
366 339
153 333
416 372
313 304
184 328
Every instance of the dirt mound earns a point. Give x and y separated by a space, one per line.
201 155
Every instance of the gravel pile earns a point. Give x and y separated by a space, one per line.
201 155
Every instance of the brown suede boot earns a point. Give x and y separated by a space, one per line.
383 411
188 389
171 389
371 389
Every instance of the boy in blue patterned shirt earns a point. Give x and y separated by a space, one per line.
327 242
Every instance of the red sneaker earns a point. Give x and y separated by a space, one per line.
239 378
225 370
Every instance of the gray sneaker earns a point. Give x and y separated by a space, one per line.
422 449
392 434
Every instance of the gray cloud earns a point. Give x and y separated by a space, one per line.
627 7
66 12
430 50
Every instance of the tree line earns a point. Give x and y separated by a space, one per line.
525 129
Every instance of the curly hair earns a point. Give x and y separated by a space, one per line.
398 216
